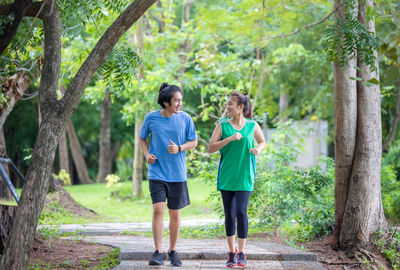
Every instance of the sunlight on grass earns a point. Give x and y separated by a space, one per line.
110 209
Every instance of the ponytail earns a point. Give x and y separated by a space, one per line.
243 99
166 92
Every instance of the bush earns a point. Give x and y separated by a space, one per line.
390 193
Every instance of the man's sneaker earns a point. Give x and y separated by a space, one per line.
231 259
156 259
174 258
241 259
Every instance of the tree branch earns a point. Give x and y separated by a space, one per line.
100 53
307 26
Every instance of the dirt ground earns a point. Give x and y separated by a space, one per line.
67 254
328 258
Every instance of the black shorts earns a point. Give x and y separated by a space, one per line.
176 193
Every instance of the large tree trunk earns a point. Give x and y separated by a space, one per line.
345 132
55 115
105 161
77 156
137 176
6 217
358 149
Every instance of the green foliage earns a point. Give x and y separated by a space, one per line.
212 231
64 177
120 68
389 247
349 38
110 261
390 192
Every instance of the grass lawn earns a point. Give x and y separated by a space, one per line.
113 209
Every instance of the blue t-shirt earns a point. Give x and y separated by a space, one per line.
178 128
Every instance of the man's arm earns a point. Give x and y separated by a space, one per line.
150 158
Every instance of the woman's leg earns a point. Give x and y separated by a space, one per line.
228 199
242 201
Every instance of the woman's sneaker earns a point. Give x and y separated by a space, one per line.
241 259
174 258
156 259
231 259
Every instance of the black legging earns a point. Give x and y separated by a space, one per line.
235 207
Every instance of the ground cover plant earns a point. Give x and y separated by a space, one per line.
115 204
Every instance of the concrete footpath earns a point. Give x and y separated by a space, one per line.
195 253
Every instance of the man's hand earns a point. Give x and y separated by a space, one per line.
173 148
150 158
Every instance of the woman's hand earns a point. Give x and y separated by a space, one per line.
150 158
254 151
236 137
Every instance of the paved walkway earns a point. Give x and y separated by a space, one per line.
195 253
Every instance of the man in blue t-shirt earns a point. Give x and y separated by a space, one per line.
172 132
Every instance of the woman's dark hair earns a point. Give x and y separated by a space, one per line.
166 93
242 99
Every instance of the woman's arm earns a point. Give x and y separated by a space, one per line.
215 142
259 136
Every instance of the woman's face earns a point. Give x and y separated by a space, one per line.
176 103
233 108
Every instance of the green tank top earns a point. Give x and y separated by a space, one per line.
237 167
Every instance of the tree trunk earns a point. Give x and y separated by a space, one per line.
55 116
18 9
358 149
137 176
5 194
63 153
6 217
105 161
137 162
13 88
77 156
63 148
283 102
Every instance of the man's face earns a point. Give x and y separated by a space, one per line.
176 103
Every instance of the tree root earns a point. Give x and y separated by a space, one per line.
362 255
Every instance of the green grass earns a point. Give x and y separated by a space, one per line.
111 209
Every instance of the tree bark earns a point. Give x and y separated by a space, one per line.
19 9
105 161
55 115
63 148
77 156
5 194
16 255
345 132
137 176
358 149
6 217
13 89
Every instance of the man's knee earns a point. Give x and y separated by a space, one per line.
174 214
158 208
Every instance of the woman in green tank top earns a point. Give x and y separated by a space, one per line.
234 138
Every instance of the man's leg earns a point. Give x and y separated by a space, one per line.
174 226
158 224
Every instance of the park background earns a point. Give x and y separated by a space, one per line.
278 53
